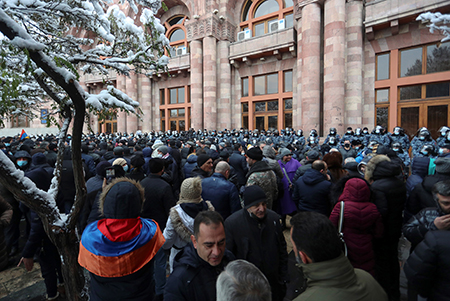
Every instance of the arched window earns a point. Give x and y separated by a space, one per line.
257 15
176 33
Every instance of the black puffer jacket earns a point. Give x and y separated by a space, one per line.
421 196
418 226
428 267
192 277
389 193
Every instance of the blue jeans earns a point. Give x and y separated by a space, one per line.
160 271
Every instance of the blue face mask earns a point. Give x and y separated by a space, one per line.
22 163
125 168
441 151
395 149
425 153
422 138
357 148
7 144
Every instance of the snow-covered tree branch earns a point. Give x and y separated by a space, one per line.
436 22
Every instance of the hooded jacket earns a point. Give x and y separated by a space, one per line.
262 175
419 169
311 192
337 280
362 222
180 225
118 249
193 279
191 163
222 194
269 155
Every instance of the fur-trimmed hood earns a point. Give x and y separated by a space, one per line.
182 217
122 198
380 166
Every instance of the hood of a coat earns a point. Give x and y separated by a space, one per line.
269 152
355 190
380 166
192 159
313 177
122 198
419 166
147 152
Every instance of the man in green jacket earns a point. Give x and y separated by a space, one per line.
329 274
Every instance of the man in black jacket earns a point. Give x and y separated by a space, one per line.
237 161
254 234
428 267
421 197
389 194
198 265
159 200
430 219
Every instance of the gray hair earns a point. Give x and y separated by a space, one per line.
222 167
242 280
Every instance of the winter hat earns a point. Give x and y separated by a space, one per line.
201 159
137 161
253 195
122 199
118 150
38 159
285 152
313 155
100 169
224 154
442 165
255 153
120 161
191 190
364 162
163 149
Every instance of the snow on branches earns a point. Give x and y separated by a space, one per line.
436 22
70 36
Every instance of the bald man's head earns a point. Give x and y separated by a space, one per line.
223 168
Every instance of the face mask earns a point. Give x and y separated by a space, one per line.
349 132
422 138
395 149
441 151
357 148
347 145
242 153
365 131
377 131
425 153
125 168
442 134
7 144
157 156
22 163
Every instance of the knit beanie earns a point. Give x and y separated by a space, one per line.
137 161
201 159
120 161
163 149
191 190
253 195
442 165
284 152
255 153
39 159
100 168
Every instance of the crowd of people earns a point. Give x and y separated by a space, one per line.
210 203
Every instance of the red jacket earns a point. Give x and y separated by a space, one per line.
362 222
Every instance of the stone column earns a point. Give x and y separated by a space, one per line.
224 85
196 84
310 74
132 91
121 116
354 82
334 65
146 103
210 83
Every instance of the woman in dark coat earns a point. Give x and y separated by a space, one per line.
334 163
362 222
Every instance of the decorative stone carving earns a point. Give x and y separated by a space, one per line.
221 29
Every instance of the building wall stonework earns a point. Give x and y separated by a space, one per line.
331 49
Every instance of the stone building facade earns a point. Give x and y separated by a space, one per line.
306 64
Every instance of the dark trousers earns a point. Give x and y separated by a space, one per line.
387 267
50 269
